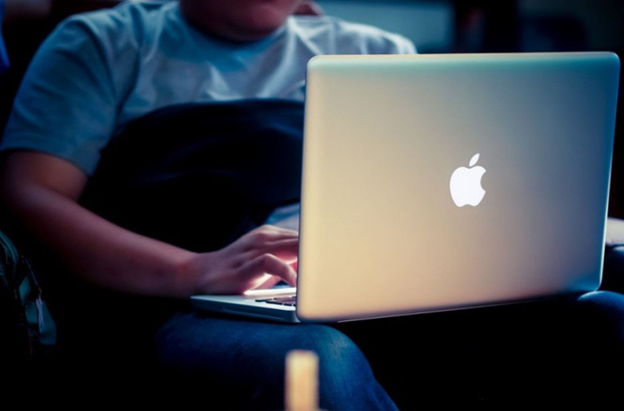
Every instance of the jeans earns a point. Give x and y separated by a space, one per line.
554 351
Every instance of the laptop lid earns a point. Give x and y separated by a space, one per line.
437 182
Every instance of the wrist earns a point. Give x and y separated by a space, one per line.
185 278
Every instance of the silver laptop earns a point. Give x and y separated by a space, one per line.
444 182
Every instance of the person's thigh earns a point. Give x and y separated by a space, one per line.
533 351
237 363
559 350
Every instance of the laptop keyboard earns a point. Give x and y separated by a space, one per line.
288 300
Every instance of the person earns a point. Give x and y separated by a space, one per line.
140 83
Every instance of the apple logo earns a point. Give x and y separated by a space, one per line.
466 184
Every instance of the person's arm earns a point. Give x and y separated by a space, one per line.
63 115
41 192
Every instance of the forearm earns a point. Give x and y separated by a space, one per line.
99 251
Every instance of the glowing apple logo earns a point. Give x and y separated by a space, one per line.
466 184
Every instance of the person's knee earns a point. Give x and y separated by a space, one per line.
343 371
255 355
600 316
340 360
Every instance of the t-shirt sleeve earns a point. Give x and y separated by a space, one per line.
392 43
356 38
404 46
66 104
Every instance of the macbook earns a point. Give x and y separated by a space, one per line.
444 182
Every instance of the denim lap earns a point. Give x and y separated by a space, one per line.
482 355
243 362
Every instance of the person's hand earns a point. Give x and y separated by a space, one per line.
259 259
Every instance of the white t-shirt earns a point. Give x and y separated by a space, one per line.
97 71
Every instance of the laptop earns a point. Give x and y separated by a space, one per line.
444 182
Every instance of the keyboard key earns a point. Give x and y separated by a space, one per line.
290 301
